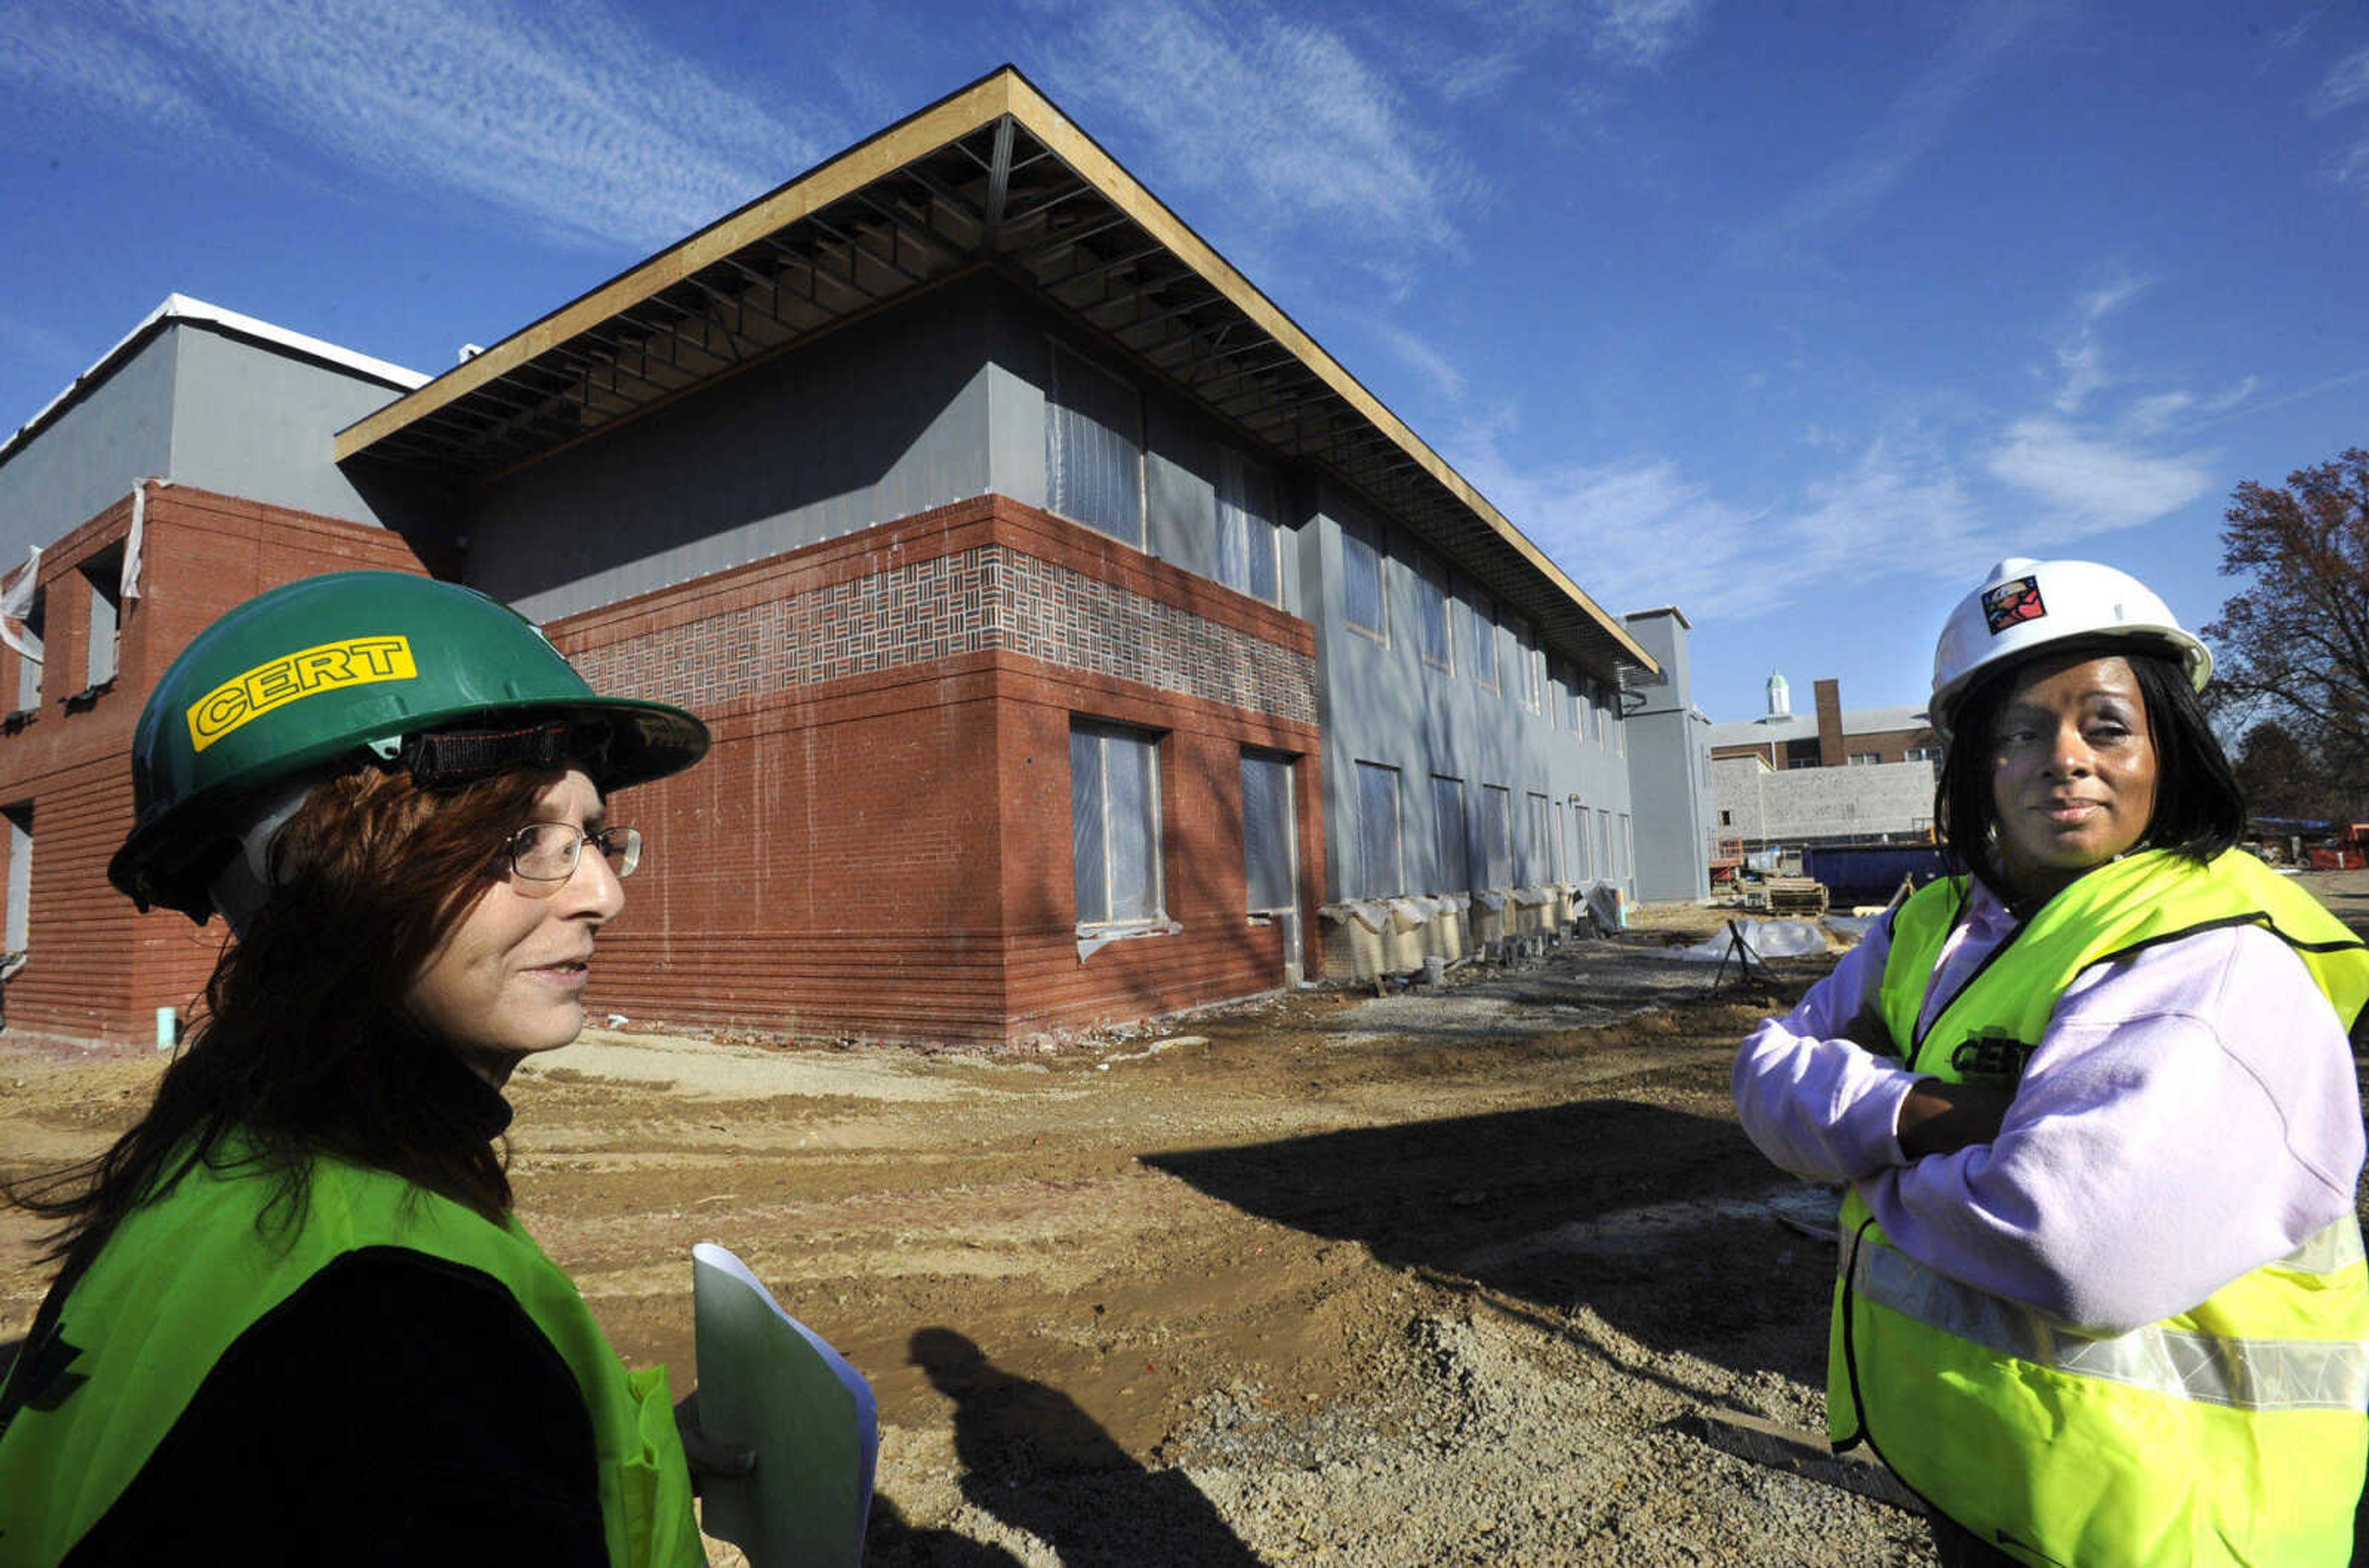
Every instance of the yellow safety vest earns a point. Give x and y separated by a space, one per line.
2232 1433
185 1275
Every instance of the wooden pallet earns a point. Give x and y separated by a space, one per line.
1795 896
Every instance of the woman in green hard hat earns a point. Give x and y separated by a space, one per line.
295 1319
2100 1298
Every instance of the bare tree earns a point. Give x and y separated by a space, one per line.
2294 646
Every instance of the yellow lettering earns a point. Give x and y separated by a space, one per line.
358 661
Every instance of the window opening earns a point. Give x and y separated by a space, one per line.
1362 604
1093 448
1448 835
1431 593
1380 868
20 876
104 573
1485 643
1270 861
1114 825
1496 836
1249 542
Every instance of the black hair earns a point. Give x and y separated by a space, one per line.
2200 808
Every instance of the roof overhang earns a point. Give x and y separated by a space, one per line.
991 176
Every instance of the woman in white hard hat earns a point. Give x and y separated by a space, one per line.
2100 1298
296 1321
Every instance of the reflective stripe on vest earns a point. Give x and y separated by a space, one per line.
2231 1433
185 1274
2179 1364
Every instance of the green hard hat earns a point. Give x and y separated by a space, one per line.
347 666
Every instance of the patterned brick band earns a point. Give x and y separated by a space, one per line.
990 596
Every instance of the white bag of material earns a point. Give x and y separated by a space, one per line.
1766 939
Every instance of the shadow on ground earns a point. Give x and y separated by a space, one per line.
1658 1220
1034 1460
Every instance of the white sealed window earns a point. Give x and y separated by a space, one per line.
1582 846
1537 845
1361 583
1533 666
1114 825
1431 593
1448 835
1093 448
1379 866
1249 542
1496 836
1268 847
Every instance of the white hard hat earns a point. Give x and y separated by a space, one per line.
2024 605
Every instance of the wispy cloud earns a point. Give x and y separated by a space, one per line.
1267 108
2082 358
2346 83
1644 530
1477 49
2090 482
1642 33
569 115
1909 128
1415 351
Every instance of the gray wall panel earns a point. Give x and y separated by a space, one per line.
253 423
89 460
1669 763
1385 704
878 421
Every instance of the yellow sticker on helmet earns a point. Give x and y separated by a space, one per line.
358 661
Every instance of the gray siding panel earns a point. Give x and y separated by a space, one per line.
1385 704
250 422
884 419
89 460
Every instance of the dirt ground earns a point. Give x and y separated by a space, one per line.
1435 1278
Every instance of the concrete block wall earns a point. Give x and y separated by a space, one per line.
99 969
879 844
1802 803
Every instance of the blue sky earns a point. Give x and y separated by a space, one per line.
1796 316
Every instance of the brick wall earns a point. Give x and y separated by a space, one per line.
99 969
879 844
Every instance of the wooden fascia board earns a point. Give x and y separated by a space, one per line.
945 121
1004 92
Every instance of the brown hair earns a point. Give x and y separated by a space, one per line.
303 1043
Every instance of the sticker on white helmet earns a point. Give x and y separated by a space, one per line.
2012 603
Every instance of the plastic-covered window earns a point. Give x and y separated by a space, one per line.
1448 835
1093 449
1266 832
1114 825
1361 582
1378 867
1496 836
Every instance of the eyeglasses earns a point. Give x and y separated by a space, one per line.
544 854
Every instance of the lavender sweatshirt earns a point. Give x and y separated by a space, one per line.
2190 1113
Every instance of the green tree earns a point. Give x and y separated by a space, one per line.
2292 648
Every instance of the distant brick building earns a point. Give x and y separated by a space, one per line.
1836 776
1070 625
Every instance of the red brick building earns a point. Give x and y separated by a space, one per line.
1071 625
